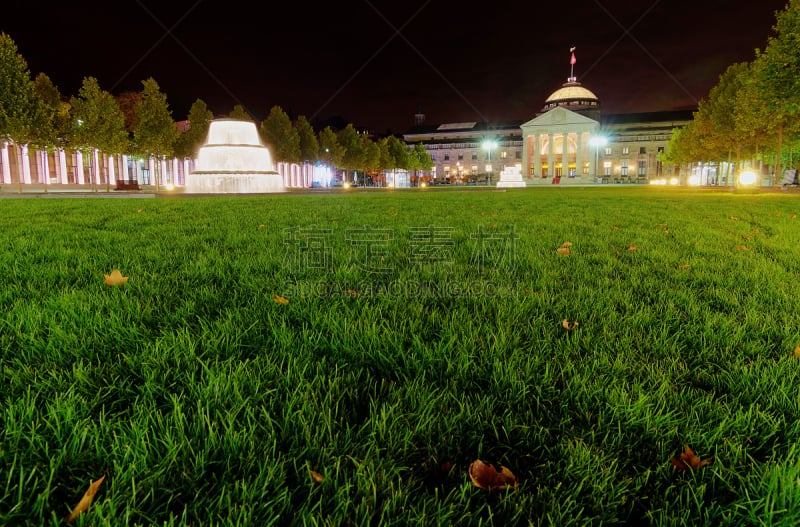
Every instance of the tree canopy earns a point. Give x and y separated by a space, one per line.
96 120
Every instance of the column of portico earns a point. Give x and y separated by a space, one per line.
5 163
537 155
579 155
79 168
44 176
550 155
26 165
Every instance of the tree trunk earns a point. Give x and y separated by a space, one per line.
778 154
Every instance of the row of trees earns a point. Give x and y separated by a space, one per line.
752 113
33 112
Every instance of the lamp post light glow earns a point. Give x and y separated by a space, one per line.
598 141
489 145
747 178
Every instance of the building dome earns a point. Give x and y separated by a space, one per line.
572 96
569 91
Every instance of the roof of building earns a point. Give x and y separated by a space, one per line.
667 116
571 91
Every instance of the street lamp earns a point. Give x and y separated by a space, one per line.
597 142
489 145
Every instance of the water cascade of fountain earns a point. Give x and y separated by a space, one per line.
233 161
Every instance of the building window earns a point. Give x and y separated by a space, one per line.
642 168
518 154
474 156
447 156
625 151
474 169
607 151
660 149
624 169
503 154
433 157
461 157
607 168
642 149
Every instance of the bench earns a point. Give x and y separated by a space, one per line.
127 184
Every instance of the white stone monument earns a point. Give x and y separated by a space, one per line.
511 177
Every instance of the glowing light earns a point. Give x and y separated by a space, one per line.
346 184
747 178
673 181
694 181
598 141
423 184
170 186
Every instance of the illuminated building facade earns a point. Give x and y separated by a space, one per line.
569 141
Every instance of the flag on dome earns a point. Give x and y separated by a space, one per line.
572 60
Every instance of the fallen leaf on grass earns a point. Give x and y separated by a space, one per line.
569 326
794 216
115 278
740 247
82 505
261 226
487 477
688 460
351 292
317 477
747 237
632 247
140 211
563 251
665 232
278 299
566 244
734 218
614 228
686 266
797 352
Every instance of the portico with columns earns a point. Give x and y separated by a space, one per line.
556 149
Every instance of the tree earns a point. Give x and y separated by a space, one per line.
155 132
776 78
309 146
54 119
280 136
20 109
353 156
330 151
128 102
200 118
96 120
240 113
372 155
421 160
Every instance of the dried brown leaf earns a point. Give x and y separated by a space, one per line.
566 244
140 211
794 216
87 499
632 247
740 247
317 477
665 232
569 326
734 218
686 266
115 278
688 460
797 352
563 251
351 292
278 299
487 477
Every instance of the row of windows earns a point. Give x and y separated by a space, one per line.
474 156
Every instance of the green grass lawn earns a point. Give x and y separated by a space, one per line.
423 331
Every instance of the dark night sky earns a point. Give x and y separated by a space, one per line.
451 60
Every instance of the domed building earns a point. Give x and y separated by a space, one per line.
569 141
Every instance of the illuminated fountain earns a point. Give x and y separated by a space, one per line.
233 161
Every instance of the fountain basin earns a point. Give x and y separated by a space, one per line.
233 161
